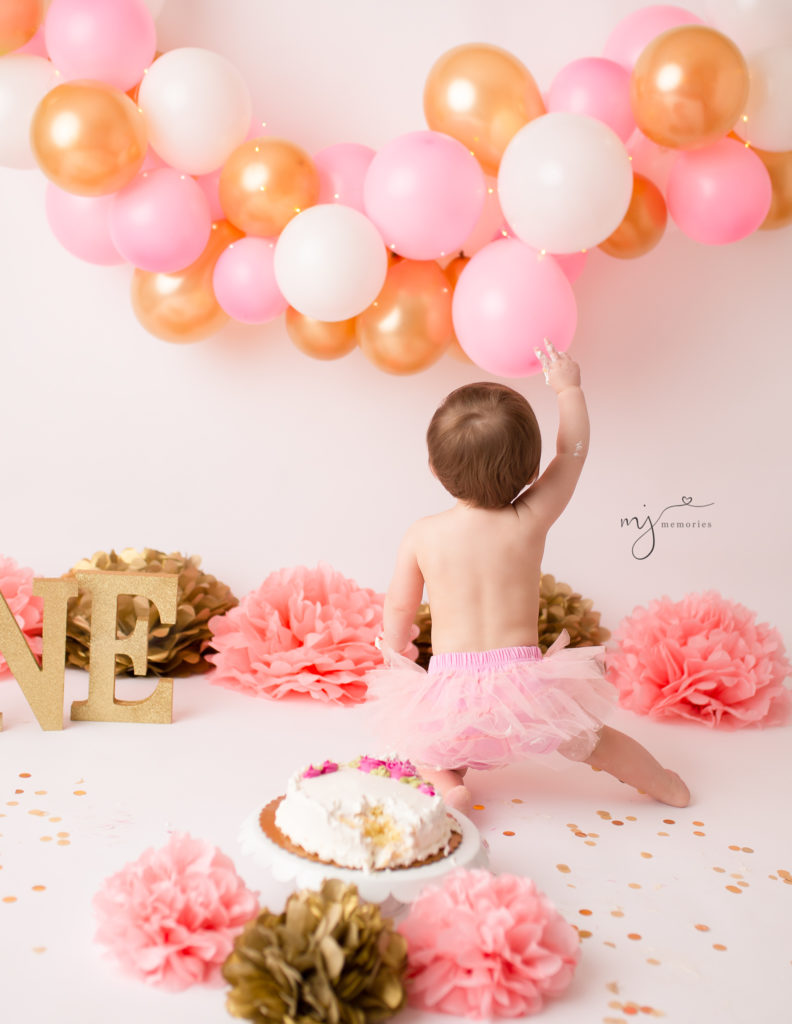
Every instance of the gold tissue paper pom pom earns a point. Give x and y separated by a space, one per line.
329 957
175 650
559 608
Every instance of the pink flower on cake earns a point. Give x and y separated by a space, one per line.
369 764
401 769
702 658
304 631
326 768
16 586
483 945
170 917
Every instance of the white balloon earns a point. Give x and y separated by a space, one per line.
197 108
752 24
767 118
330 262
565 182
24 82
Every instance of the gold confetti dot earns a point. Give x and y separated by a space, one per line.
64 842
668 821
616 822
62 835
734 888
633 885
744 885
630 817
516 800
478 807
12 803
9 899
701 927
53 820
605 815
663 833
651 960
41 792
585 913
584 934
81 792
717 945
46 839
39 888
580 835
700 824
734 847
699 833
736 874
39 949
747 849
648 856
593 835
508 833
24 775
38 814
634 936
783 873
564 868
774 877
19 791
617 913
589 842
611 944
721 870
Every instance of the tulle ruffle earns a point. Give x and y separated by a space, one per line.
488 716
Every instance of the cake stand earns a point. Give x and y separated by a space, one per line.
400 884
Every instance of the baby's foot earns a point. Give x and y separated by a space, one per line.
459 798
672 790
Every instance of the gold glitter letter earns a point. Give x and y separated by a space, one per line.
105 587
42 687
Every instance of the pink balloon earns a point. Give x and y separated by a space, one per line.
719 193
342 171
491 223
161 220
424 191
595 87
634 33
572 264
35 47
507 299
81 225
650 160
244 281
110 40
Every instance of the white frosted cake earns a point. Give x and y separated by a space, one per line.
369 814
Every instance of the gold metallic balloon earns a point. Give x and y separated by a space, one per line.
88 137
408 326
264 183
318 338
779 167
644 223
182 307
19 22
688 87
452 272
482 96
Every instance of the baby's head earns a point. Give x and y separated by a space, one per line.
484 444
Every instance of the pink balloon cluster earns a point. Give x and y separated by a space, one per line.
565 184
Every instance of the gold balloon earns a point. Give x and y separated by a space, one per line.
19 22
482 96
408 326
318 338
182 307
779 167
88 137
266 182
688 87
452 272
644 223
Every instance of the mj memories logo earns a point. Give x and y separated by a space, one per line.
644 543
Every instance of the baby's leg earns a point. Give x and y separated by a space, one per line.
449 784
629 762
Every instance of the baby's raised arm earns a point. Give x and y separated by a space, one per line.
549 496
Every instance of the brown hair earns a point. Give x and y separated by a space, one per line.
484 444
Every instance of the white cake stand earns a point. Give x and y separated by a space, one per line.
402 884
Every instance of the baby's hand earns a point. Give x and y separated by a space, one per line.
560 370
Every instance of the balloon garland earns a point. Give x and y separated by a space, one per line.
152 160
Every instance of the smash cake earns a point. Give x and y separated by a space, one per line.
369 814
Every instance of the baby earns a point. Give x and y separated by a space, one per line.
489 697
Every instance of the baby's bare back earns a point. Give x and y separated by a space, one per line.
481 568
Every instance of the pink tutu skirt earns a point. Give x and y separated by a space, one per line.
487 709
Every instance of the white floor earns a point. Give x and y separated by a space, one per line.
684 915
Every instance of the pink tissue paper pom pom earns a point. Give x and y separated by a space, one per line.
304 631
16 586
483 945
170 917
702 658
